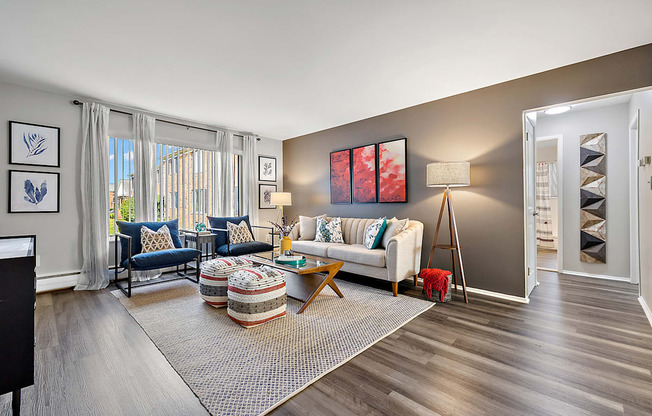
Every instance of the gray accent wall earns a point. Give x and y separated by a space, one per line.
482 126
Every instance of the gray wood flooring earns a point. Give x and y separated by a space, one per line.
582 346
547 258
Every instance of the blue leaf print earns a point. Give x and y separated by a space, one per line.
35 195
35 144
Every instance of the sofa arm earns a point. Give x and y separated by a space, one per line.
403 253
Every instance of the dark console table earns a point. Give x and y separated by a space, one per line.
17 303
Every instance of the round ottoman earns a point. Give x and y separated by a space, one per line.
256 295
214 278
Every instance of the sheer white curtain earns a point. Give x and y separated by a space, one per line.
144 167
94 194
224 198
249 190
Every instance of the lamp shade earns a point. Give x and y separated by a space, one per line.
448 174
281 198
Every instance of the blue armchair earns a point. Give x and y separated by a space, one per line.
222 245
132 258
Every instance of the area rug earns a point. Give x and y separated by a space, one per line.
238 371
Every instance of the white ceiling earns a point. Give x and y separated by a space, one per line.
287 68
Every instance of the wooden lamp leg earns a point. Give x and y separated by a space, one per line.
453 226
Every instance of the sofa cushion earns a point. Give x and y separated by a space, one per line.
357 253
132 229
308 227
394 226
373 235
220 222
329 231
314 248
243 248
162 258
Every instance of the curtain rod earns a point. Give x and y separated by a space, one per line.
77 102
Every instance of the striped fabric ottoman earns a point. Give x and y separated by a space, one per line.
214 278
256 295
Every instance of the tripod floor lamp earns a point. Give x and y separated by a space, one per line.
448 175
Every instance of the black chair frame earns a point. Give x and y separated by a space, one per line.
127 290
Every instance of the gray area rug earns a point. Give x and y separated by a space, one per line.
238 371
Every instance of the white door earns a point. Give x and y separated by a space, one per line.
531 213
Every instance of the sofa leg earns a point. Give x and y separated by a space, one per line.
395 288
415 280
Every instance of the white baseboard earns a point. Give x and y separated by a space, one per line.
596 276
498 295
49 284
646 309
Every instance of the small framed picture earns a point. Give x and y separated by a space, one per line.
33 191
265 198
34 144
266 169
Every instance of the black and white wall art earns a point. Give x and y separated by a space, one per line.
265 197
593 198
33 144
33 191
266 169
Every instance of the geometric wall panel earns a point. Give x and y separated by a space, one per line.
593 198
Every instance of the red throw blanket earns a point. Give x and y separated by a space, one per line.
436 279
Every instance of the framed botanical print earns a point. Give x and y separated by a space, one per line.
266 169
265 197
363 170
340 175
392 171
34 144
33 191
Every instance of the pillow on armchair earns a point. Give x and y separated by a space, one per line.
220 222
132 229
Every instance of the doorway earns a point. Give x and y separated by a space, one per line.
582 216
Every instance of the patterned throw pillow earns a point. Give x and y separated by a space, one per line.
373 235
329 231
239 234
155 240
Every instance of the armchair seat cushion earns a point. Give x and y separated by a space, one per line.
132 229
162 258
243 248
220 223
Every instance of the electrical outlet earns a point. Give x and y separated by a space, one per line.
268 238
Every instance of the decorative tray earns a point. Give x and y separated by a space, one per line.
291 260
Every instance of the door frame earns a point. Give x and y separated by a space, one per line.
526 188
560 197
634 241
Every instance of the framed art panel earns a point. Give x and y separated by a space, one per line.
340 175
266 169
364 174
34 144
392 171
33 191
265 197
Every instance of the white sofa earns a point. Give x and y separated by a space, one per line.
399 260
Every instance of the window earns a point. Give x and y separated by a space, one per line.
121 182
184 183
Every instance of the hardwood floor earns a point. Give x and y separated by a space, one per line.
546 258
582 346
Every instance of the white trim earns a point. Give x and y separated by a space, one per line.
646 309
588 100
57 283
498 295
596 276
634 248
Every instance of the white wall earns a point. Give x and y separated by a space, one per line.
612 120
547 152
643 102
59 235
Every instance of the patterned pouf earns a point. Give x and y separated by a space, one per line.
256 295
214 278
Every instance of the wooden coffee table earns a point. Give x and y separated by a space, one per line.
305 282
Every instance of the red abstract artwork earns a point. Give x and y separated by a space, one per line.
391 167
341 177
364 174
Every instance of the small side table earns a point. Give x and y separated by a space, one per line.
200 239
